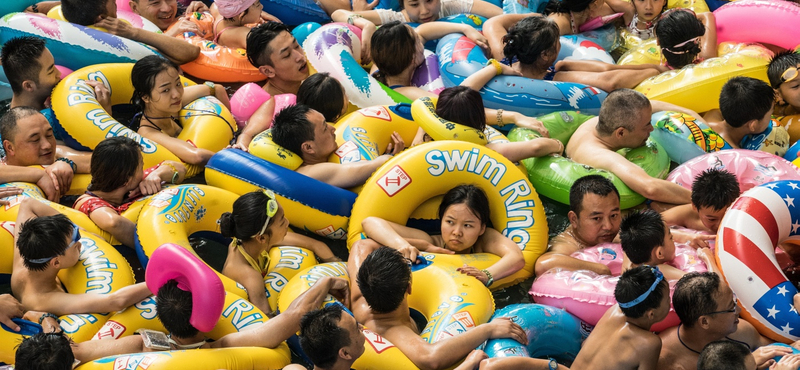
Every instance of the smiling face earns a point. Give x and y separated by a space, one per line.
165 97
599 219
287 59
461 228
422 11
160 12
33 143
648 10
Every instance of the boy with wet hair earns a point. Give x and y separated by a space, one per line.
44 351
713 191
745 108
48 242
622 338
782 73
331 338
646 240
726 355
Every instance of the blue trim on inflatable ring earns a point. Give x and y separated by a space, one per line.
286 183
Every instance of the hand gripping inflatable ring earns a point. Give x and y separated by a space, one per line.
431 169
175 213
83 123
460 57
754 225
552 332
752 168
216 62
73 46
588 295
100 270
552 176
456 302
171 261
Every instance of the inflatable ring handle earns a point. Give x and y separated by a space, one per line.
173 262
424 112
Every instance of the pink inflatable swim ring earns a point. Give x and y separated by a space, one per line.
124 5
173 262
772 22
588 295
250 97
751 167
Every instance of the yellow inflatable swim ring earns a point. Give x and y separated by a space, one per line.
454 304
84 123
431 169
219 358
100 270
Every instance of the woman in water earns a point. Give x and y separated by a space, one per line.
464 214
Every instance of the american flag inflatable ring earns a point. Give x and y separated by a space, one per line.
755 224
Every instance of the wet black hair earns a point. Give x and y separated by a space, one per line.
44 351
258 39
8 121
640 232
675 27
744 99
471 195
567 6
383 279
716 188
723 355
292 128
392 48
592 184
174 307
321 337
322 93
43 237
635 282
83 12
20 60
247 218
777 66
462 105
114 161
529 39
143 78
694 296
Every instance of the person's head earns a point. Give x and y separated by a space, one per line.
462 105
746 101
533 41
678 32
244 11
174 307
27 137
44 351
329 335
116 163
643 291
256 215
646 238
464 212
702 300
625 116
88 12
157 87
726 355
160 12
324 94
304 132
49 241
594 209
782 74
275 52
395 47
713 191
384 279
571 6
29 66
422 11
649 10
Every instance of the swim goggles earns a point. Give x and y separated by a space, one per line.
272 209
672 49
639 299
76 240
788 75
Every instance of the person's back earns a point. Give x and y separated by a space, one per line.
622 338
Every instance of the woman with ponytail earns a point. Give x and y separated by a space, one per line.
686 37
159 95
256 224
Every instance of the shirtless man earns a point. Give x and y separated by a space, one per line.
709 312
163 13
28 140
48 242
275 52
594 218
624 122
103 14
745 108
304 132
379 302
622 338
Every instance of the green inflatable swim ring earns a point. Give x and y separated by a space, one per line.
553 176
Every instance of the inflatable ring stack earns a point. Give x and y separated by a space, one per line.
409 179
553 176
752 228
130 17
752 168
73 46
456 303
216 62
460 57
100 270
83 123
697 86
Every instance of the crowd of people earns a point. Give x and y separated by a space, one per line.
710 335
